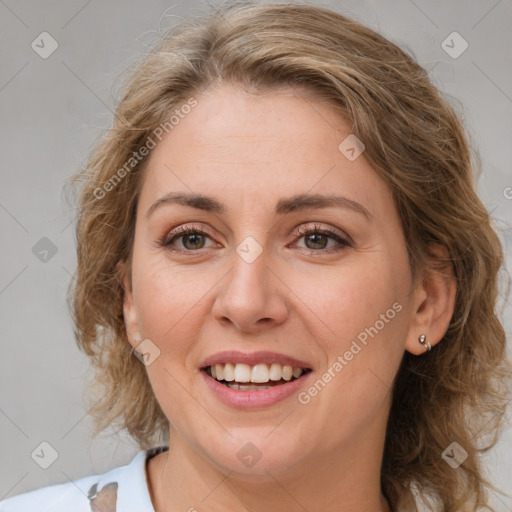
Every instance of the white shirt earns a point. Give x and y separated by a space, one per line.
122 489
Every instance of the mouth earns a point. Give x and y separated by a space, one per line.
258 377
254 380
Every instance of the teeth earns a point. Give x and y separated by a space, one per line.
219 371
242 372
287 372
275 371
229 372
258 374
245 387
297 372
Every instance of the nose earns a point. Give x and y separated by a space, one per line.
252 297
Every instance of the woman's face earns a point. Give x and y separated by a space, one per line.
273 273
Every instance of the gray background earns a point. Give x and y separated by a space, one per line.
52 110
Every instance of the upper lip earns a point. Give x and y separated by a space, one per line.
253 358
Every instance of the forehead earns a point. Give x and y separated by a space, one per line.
245 146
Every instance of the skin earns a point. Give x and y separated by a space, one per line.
249 151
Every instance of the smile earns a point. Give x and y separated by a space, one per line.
244 377
253 380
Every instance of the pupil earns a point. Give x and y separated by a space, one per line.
317 242
191 237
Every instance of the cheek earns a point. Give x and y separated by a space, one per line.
169 300
351 300
360 323
362 356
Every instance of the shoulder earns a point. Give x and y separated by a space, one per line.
122 489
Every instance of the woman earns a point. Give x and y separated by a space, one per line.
286 280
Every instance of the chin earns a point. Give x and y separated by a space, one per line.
254 452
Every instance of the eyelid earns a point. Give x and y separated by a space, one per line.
341 238
328 230
183 229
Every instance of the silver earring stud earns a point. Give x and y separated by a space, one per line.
422 339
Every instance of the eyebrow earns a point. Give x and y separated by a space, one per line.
283 206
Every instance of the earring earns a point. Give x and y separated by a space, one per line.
422 340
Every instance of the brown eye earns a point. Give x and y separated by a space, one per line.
316 239
192 239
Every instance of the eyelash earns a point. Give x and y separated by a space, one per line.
302 231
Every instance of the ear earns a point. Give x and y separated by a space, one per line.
434 302
131 321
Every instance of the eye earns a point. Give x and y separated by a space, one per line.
316 239
192 239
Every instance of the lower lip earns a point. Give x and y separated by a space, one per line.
255 399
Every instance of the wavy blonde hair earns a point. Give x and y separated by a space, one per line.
414 141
